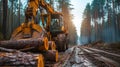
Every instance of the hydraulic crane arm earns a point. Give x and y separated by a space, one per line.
34 5
46 6
30 15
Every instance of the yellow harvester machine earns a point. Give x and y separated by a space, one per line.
45 40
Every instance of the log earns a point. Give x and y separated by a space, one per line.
21 59
7 50
51 55
39 43
52 45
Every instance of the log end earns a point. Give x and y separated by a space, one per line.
45 46
56 58
40 61
52 45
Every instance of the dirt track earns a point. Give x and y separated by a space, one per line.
78 56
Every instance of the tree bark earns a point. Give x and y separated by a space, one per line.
19 59
39 44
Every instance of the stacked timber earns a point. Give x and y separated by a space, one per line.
21 59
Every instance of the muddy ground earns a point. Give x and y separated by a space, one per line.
82 56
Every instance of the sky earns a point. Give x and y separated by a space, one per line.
79 6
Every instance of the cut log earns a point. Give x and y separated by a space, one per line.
51 55
21 59
40 61
46 45
7 50
39 43
52 45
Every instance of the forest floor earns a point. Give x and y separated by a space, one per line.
84 56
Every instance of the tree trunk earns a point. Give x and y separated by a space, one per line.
12 25
4 18
39 44
19 14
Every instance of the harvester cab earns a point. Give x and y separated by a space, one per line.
56 25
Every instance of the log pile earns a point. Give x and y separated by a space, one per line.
30 38
12 57
20 59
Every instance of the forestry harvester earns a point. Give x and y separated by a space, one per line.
44 40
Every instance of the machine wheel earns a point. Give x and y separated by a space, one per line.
40 61
51 55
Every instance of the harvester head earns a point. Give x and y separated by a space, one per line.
30 34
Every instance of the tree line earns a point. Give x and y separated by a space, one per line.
101 22
13 14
